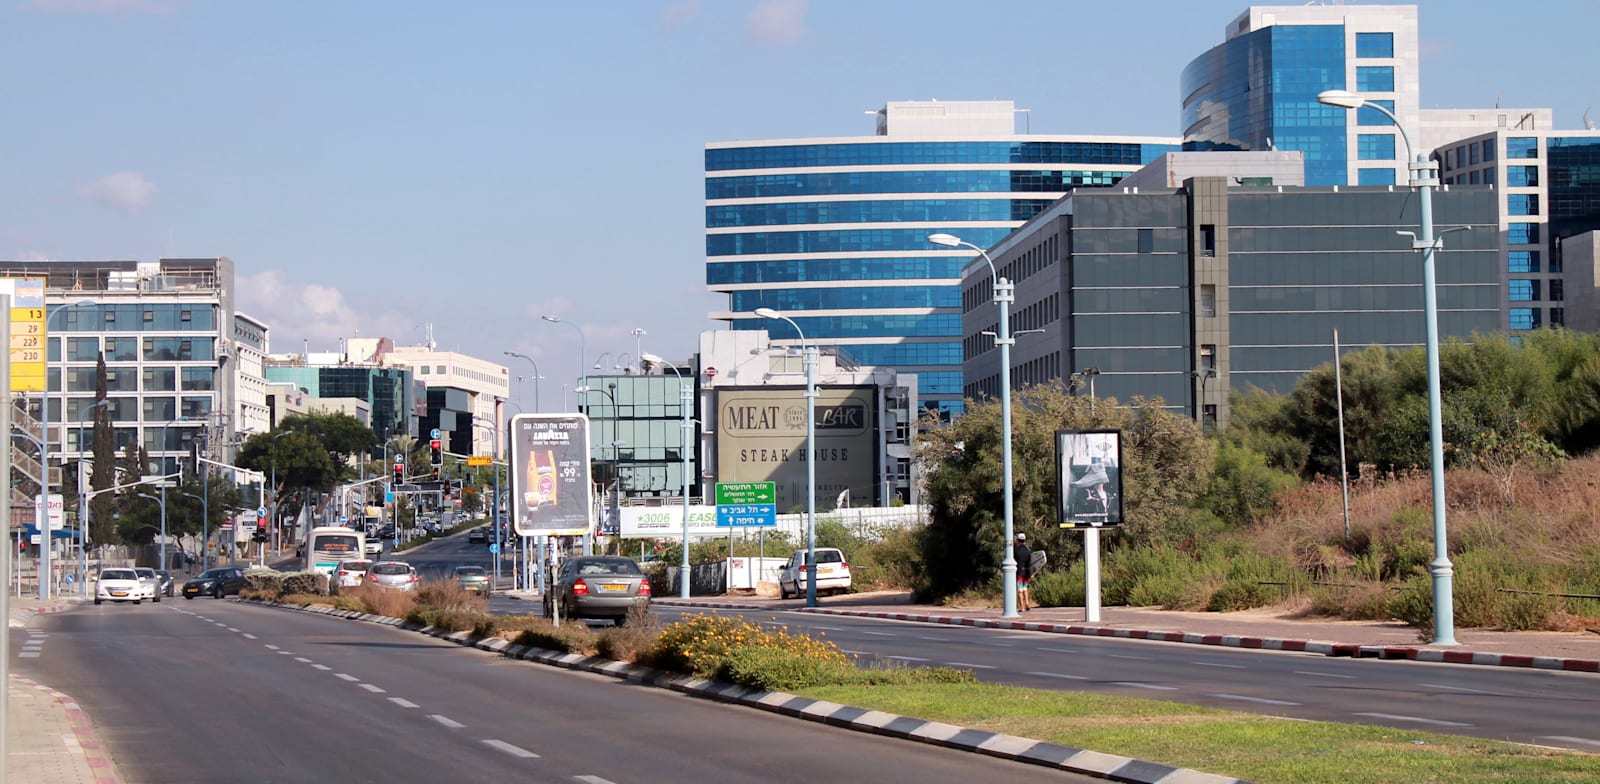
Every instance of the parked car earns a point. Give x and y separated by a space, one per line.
472 578
350 573
478 536
397 575
118 585
599 586
166 581
151 582
833 573
216 583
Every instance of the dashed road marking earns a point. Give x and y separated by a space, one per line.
1060 650
508 748
270 646
322 667
446 721
249 636
1127 656
302 660
403 702
344 677
907 658
1463 689
1059 675
592 780
1257 700
973 666
1214 664
1572 739
882 634
231 629
1324 674
1138 685
1415 719
372 688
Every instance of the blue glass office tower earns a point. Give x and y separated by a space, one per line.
833 232
1258 89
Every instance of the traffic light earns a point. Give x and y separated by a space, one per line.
436 454
399 473
435 473
259 536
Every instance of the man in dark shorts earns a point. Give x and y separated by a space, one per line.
1024 558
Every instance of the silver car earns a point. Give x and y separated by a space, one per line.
599 586
151 582
118 585
394 575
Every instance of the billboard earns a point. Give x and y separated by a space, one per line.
666 522
761 437
1089 478
551 492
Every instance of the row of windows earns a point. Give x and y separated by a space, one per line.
1024 374
1375 78
1522 261
1030 262
1522 204
932 268
1522 147
1528 290
1367 115
151 410
903 354
864 326
136 317
838 241
1375 147
1474 177
868 297
1367 176
1527 318
130 349
975 344
944 210
1522 233
837 183
155 379
905 153
178 440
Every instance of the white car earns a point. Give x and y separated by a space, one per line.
833 573
119 585
151 581
350 573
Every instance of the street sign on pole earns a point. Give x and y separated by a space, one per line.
27 332
480 460
747 504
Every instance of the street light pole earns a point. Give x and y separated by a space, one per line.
46 538
1004 294
163 500
536 377
686 402
1423 174
638 348
163 548
583 397
808 354
83 501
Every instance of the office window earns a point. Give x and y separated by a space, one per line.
1375 78
1522 176
1375 176
1488 150
1374 45
1522 204
1208 300
1522 147
83 349
162 379
1524 318
1522 261
1375 147
1558 291
1558 317
1523 291
1147 240
1472 154
1367 115
1473 178
1208 239
159 409
1522 233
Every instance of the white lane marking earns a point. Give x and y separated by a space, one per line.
830 628
302 660
40 635
1137 685
231 629
1463 689
218 623
1416 719
1002 645
592 780
29 654
907 658
973 666
858 653
270 646
1128 656
1324 674
1060 650
1257 700
1214 664
249 636
33 643
882 634
1059 675
322 667
372 688
446 721
344 677
1572 739
403 702
508 748
933 639
285 653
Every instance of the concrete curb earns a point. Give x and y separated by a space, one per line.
1408 652
1012 747
20 618
94 752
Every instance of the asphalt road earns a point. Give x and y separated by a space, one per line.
216 691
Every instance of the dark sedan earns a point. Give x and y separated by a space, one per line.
216 583
166 581
599 586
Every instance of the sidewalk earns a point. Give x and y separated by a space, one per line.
1578 651
49 739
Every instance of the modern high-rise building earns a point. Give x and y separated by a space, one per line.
832 232
1258 89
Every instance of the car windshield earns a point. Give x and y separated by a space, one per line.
164 573
608 566
146 572
355 566
391 569
470 571
215 573
118 574
829 556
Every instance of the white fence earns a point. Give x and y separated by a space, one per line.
865 522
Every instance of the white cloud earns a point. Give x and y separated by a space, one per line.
102 7
300 313
680 13
128 192
777 21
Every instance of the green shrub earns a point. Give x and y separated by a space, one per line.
563 639
1412 603
1241 595
1058 588
455 619
1158 590
701 644
304 582
894 673
780 669
506 624
267 583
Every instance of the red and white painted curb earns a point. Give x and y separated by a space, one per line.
94 752
1411 652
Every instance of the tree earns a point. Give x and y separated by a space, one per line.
295 458
1165 462
101 508
342 435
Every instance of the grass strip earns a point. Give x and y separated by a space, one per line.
1261 749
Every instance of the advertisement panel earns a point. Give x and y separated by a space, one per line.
666 522
550 489
761 437
56 513
1089 478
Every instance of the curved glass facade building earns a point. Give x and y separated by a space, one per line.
833 232
1258 89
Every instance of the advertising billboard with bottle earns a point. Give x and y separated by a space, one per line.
550 488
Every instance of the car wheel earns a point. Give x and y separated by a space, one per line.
216 593
156 599
97 600
187 596
136 601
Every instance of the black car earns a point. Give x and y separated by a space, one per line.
216 583
478 536
166 581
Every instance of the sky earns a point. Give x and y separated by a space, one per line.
373 168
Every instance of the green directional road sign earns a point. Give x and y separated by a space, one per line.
743 493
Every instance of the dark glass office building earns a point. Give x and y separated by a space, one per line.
833 232
389 390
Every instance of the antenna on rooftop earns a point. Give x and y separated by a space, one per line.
1588 124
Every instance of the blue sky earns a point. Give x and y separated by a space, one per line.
372 167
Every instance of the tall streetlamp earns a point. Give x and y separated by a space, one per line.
536 377
1203 374
205 528
83 498
274 450
808 354
638 347
1424 174
686 402
170 422
1004 294
494 504
163 500
600 362
44 451
583 398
